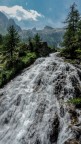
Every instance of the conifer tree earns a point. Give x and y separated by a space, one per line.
37 43
78 35
70 40
12 40
30 44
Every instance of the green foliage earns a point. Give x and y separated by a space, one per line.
53 49
78 54
31 46
67 53
37 39
3 78
37 44
75 101
13 66
72 37
11 41
29 57
15 55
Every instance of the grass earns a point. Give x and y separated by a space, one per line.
75 101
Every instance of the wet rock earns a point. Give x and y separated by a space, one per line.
67 68
74 80
18 100
59 84
58 88
72 141
1 94
77 131
6 119
77 91
55 130
39 112
76 85
78 106
62 113
79 74
73 115
38 141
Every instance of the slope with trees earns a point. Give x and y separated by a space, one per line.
15 55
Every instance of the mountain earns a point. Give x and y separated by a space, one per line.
12 22
53 36
35 108
5 23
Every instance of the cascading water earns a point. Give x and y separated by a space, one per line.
34 107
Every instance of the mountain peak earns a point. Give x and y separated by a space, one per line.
48 28
5 23
34 29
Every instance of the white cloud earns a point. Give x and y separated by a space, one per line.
19 13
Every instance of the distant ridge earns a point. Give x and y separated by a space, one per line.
53 36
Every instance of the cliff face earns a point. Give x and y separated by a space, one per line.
34 107
5 23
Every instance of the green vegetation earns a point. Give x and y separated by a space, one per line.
75 101
16 55
11 41
72 36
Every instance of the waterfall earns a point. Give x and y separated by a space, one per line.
34 107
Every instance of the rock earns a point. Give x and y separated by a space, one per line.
77 131
73 116
72 141
1 94
55 130
62 111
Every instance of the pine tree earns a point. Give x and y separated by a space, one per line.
37 38
37 43
78 35
70 40
30 44
12 40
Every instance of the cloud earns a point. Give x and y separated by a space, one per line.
19 13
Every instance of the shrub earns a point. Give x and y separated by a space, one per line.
21 53
3 78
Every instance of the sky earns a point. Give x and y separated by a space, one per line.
38 13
